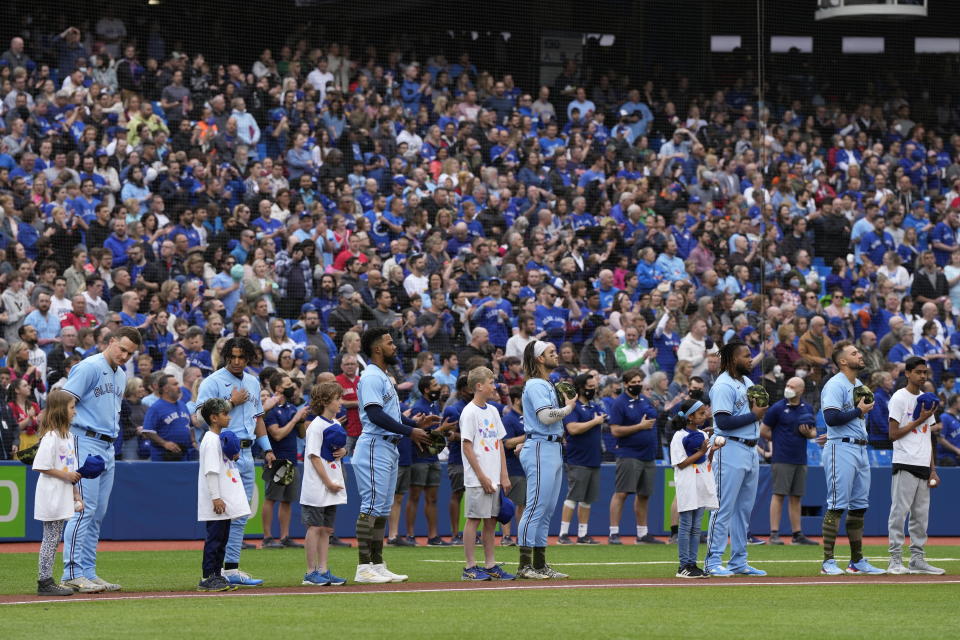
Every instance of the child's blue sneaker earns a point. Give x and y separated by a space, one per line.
474 574
496 572
315 578
830 568
332 580
750 571
864 568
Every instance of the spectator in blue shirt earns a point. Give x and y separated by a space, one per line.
167 424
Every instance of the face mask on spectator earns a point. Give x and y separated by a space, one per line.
801 373
589 393
288 393
635 389
789 393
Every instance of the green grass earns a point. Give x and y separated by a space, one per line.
827 611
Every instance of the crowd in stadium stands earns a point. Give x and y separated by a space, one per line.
636 225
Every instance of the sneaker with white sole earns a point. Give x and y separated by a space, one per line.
315 579
830 568
241 578
864 568
529 573
366 574
84 585
684 572
896 568
920 565
107 586
386 573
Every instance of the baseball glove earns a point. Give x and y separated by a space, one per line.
758 396
862 392
436 444
27 455
565 390
281 472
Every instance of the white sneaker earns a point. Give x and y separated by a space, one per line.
84 585
896 567
920 565
386 573
366 574
107 586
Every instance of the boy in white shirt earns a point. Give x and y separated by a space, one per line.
220 493
323 487
912 430
484 474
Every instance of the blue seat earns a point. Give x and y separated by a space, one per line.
818 262
881 457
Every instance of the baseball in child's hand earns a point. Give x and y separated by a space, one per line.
719 441
78 505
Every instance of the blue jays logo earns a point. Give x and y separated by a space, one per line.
739 404
387 397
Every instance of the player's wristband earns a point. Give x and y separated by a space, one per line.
264 443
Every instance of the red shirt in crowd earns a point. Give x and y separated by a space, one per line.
350 395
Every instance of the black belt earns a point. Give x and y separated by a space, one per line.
743 441
862 443
547 438
392 439
90 433
246 444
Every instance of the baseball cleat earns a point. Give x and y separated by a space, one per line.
84 585
386 573
614 538
529 573
864 568
804 540
215 583
750 571
507 541
290 543
564 539
366 574
774 540
107 586
830 568
586 540
920 565
241 579
550 572
649 539
719 571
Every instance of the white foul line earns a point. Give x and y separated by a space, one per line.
674 562
532 587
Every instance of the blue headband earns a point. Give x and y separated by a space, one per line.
693 409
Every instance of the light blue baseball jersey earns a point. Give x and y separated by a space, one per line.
98 388
729 395
837 393
539 394
375 388
243 418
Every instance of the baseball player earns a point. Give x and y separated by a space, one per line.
375 458
914 468
98 383
737 466
845 461
541 457
242 390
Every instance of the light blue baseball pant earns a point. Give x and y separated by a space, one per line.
736 471
375 468
847 469
542 461
246 468
82 533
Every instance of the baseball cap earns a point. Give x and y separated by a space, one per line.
401 180
694 200
346 290
507 509
747 330
300 354
229 443
305 307
494 281
837 322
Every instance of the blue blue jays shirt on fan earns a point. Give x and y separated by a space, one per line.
626 412
375 388
452 414
513 425
170 421
584 449
838 394
489 318
425 407
784 419
98 388
539 394
285 448
950 433
243 417
553 320
729 395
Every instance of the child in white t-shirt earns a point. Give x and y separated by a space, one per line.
323 487
484 474
693 478
58 491
220 493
